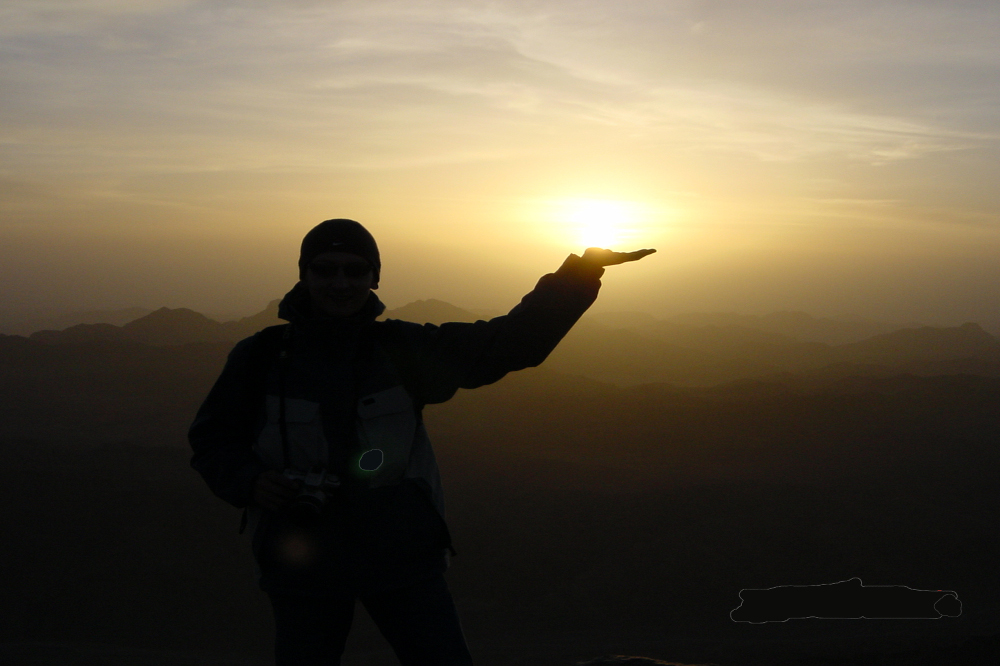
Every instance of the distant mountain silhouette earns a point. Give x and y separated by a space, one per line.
249 325
115 317
166 327
796 325
924 344
714 354
162 327
431 311
629 349
28 323
178 326
79 333
183 326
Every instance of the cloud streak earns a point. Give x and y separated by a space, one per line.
292 81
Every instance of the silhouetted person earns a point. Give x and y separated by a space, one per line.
316 427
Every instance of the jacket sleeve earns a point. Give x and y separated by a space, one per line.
436 361
223 431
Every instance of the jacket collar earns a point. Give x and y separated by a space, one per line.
295 308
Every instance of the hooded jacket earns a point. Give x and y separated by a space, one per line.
356 384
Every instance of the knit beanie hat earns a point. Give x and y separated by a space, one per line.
339 236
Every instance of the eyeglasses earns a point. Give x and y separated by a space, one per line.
352 271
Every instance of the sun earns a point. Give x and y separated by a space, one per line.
598 222
613 224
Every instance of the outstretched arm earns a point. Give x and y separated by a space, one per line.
458 355
559 299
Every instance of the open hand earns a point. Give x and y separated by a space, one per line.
600 257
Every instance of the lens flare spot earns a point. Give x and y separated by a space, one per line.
297 550
371 460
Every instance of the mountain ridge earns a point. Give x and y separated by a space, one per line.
629 348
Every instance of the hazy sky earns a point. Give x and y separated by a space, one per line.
834 156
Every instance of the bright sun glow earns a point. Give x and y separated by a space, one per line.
598 222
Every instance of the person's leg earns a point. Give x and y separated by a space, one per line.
311 631
421 624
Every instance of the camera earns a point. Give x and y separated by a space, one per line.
315 489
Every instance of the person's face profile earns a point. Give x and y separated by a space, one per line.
339 283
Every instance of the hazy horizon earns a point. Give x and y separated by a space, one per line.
837 158
17 317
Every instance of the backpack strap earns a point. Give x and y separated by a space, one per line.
269 345
265 347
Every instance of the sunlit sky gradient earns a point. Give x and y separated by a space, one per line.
832 156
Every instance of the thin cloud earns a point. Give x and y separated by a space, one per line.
312 73
105 88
